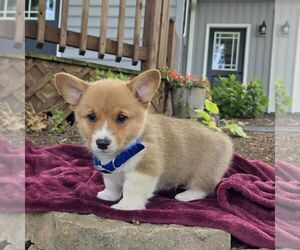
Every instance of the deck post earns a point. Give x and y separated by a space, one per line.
151 33
41 24
19 30
171 48
137 32
103 28
64 26
84 27
163 33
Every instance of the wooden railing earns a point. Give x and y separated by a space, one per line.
158 41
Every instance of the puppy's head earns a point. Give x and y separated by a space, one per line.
110 113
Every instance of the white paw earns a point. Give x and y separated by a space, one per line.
108 195
123 206
190 195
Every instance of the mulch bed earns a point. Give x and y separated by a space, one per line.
265 120
259 146
287 147
292 120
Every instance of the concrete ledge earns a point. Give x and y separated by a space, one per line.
72 231
12 230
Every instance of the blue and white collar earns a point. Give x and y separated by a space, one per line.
120 159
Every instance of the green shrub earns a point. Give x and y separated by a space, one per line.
102 74
57 120
239 100
282 101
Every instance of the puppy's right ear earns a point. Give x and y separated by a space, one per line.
70 87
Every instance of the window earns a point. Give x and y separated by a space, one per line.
32 9
225 51
8 9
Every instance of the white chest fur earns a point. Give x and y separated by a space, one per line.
114 182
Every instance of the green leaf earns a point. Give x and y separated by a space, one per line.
232 77
234 130
218 129
283 101
205 123
203 114
211 107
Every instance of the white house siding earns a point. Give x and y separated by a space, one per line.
296 85
251 12
74 22
285 62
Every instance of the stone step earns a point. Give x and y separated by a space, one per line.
55 231
12 230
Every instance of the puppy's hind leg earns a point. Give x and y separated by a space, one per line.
197 189
191 194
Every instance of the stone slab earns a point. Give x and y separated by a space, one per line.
57 230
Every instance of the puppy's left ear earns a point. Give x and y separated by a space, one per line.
70 87
145 85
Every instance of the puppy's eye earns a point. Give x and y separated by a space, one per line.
91 117
121 118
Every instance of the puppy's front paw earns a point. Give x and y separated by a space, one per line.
108 195
122 206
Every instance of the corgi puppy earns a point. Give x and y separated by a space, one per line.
138 152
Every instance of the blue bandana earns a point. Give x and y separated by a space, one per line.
120 159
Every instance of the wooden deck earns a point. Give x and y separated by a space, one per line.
158 43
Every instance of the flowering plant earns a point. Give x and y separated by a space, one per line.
178 80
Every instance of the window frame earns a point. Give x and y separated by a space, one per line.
5 11
27 13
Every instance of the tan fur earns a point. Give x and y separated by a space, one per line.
185 153
107 99
179 152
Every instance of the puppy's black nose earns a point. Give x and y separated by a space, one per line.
102 143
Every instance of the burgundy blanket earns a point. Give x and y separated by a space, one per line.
61 178
12 178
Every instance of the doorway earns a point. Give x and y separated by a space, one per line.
225 53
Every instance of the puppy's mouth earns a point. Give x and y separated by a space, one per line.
111 152
105 151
